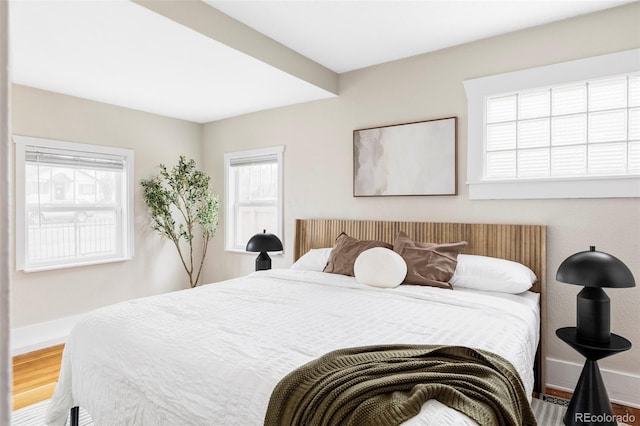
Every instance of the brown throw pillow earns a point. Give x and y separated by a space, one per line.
345 251
428 263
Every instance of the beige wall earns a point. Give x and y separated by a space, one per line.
43 296
318 159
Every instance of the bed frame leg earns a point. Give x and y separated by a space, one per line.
74 416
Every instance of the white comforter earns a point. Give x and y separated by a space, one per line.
213 354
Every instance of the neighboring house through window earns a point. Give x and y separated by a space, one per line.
569 130
74 204
253 195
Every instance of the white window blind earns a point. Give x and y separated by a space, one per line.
74 203
253 192
583 129
565 130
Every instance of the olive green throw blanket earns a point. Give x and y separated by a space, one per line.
386 385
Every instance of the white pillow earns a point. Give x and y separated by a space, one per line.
492 274
380 267
313 260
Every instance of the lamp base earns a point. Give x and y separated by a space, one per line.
593 315
590 403
263 261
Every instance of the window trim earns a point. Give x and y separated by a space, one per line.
20 143
253 154
479 89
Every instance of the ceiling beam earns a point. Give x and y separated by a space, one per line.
212 23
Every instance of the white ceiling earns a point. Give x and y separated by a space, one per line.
347 35
122 53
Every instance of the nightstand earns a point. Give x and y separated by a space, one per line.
590 398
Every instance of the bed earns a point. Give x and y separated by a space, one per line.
213 354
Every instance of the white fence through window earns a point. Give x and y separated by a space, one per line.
89 235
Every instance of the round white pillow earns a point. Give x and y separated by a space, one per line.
380 267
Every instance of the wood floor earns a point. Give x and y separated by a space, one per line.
632 413
35 375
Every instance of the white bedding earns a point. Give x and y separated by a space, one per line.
213 354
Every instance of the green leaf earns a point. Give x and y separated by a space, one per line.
179 201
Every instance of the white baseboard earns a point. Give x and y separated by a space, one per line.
621 387
42 335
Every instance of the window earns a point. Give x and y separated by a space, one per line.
253 195
74 204
562 131
583 129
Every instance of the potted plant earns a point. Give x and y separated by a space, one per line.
180 203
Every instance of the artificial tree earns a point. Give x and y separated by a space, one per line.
179 201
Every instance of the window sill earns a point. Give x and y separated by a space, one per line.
73 265
616 187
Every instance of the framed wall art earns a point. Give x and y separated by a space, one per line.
406 159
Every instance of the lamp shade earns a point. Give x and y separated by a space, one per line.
264 242
595 269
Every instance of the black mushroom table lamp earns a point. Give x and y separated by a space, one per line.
263 243
592 335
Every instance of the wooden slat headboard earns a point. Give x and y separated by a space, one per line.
525 244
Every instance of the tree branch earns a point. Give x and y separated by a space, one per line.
187 190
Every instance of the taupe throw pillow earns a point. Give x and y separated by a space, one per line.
428 263
346 250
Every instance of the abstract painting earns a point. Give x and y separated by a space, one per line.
406 159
